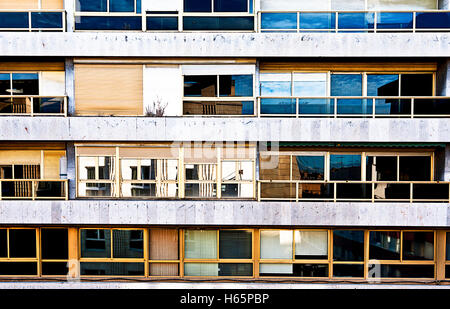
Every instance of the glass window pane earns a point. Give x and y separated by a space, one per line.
105 168
230 5
95 243
348 270
94 189
4 243
408 5
25 83
218 23
18 268
310 84
108 23
276 244
235 244
197 6
311 245
346 84
348 245
22 243
14 20
279 21
347 5
384 245
162 23
54 244
401 271
415 168
275 167
383 85
381 168
356 20
164 269
121 5
417 85
201 269
5 83
345 167
418 245
236 269
275 84
308 167
236 85
111 269
447 248
91 5
46 20
128 244
432 20
200 86
200 244
54 268
317 21
396 20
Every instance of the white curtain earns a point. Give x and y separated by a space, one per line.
276 244
311 243
294 5
200 244
268 269
201 269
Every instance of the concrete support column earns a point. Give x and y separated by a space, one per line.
443 78
70 86
71 169
69 6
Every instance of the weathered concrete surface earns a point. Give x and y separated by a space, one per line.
138 44
210 285
223 129
224 213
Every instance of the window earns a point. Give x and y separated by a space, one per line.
119 6
345 167
207 252
164 252
218 95
401 254
96 175
237 179
18 252
54 251
348 246
280 259
222 22
112 252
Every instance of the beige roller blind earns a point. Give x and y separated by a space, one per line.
25 157
51 164
18 4
200 155
52 4
108 89
96 151
155 152
238 153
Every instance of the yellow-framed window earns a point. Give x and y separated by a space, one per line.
112 252
218 253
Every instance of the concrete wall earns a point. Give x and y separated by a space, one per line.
137 44
224 213
223 129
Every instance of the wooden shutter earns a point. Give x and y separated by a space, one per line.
108 89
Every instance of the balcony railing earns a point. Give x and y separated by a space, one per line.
32 20
33 105
354 21
367 107
33 189
360 191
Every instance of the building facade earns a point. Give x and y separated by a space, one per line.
204 140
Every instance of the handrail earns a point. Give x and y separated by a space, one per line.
30 189
369 191
31 17
348 106
29 102
371 21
